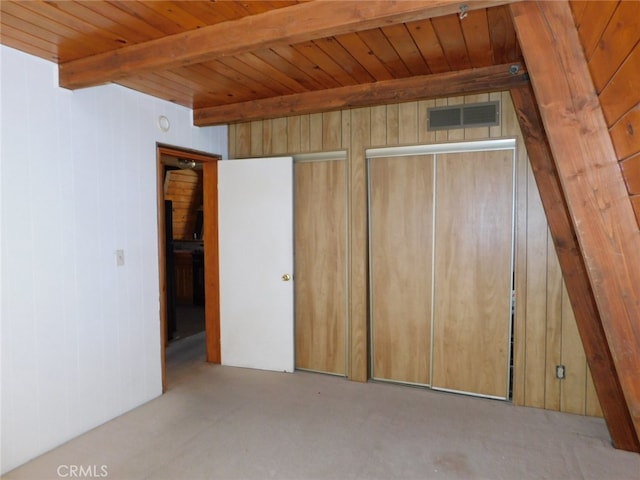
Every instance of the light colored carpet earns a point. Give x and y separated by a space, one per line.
230 423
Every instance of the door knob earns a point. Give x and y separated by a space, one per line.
286 277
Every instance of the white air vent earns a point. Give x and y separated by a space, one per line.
464 116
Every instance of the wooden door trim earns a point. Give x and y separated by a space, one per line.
210 237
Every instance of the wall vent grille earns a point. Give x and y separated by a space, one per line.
464 116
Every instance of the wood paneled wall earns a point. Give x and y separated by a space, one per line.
610 36
184 189
545 331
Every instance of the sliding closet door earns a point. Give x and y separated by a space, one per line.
401 237
473 272
320 265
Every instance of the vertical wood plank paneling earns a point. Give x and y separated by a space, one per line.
331 131
425 136
553 355
379 126
346 131
536 306
360 140
305 133
231 131
408 123
574 385
257 139
538 320
279 140
315 132
267 137
243 140
592 407
294 140
393 126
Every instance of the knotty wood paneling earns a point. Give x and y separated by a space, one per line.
534 382
610 36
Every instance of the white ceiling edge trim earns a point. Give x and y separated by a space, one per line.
456 147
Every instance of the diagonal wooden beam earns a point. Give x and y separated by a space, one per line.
284 26
467 82
574 273
592 184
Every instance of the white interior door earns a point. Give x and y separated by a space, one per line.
256 258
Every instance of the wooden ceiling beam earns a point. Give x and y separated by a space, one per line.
283 26
595 194
465 82
586 313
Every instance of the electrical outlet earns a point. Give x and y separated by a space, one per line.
120 258
560 372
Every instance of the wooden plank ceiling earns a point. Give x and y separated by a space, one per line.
236 61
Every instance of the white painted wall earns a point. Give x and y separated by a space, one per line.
80 336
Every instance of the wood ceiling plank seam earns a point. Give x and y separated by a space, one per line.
259 84
324 68
229 73
378 43
211 13
177 84
622 93
290 62
631 172
352 43
146 84
207 90
333 48
91 36
449 33
145 12
233 10
24 45
270 75
427 42
618 40
42 34
124 18
594 21
405 46
475 29
34 20
625 134
174 12
122 34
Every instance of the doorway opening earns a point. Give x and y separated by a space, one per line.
188 254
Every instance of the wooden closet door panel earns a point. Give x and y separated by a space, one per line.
473 268
320 265
401 214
